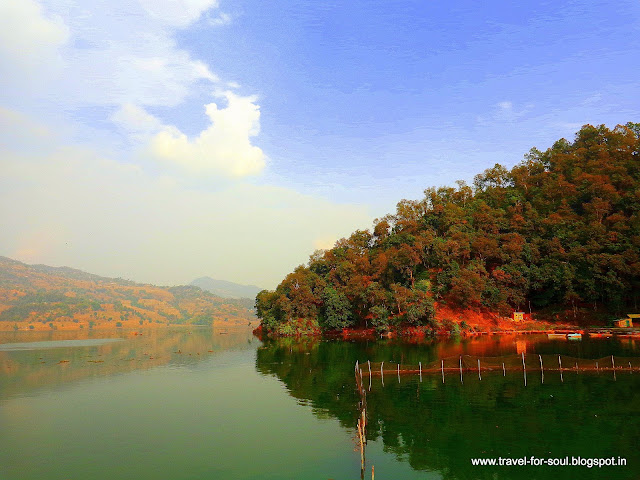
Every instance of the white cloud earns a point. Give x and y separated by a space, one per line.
63 204
222 19
123 54
137 121
152 73
113 219
110 53
224 147
179 13
29 40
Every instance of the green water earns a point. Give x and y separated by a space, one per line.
209 404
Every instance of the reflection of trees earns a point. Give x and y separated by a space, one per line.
441 427
26 370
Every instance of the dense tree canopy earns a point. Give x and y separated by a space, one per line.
560 228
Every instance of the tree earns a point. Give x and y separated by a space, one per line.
336 310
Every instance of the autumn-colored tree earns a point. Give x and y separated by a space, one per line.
561 228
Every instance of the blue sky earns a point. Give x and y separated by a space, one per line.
161 141
375 94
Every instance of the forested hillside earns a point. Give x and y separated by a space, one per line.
43 297
559 231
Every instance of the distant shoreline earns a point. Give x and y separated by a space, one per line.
126 327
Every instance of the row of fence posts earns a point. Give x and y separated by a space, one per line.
504 370
362 418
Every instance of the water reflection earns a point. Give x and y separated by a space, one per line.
438 427
30 361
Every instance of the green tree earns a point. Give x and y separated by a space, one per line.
336 310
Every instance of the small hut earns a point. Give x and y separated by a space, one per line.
627 322
518 316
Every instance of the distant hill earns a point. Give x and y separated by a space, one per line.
225 289
44 297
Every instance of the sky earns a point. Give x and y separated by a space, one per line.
164 141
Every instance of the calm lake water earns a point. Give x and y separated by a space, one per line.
219 404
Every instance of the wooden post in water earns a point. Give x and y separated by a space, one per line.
373 473
613 364
398 373
597 368
630 367
420 366
461 380
524 370
361 449
576 367
479 376
560 363
382 373
541 368
504 372
442 368
369 363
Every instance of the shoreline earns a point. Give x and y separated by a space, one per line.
409 334
125 327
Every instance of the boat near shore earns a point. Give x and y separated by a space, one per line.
557 336
565 336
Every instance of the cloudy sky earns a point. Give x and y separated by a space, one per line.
162 141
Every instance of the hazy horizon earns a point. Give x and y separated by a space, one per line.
132 280
162 142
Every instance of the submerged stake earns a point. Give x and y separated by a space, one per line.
560 363
540 357
479 376
461 381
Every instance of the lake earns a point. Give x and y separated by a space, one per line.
202 403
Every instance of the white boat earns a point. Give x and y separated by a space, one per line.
556 336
